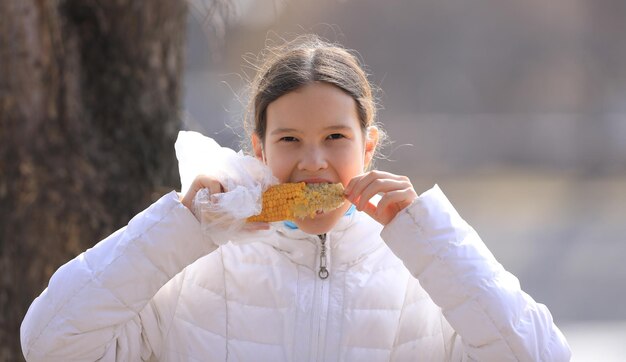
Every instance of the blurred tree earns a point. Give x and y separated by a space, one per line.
89 100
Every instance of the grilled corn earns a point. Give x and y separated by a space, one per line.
292 201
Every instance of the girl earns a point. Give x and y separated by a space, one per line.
401 279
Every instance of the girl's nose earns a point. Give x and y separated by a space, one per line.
312 159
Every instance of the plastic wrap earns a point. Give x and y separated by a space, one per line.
222 215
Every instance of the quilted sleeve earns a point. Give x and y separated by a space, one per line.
483 302
96 306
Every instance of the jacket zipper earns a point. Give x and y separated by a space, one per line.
323 272
321 315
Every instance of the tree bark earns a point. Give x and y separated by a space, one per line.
89 100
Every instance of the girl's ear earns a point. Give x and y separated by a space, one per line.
257 147
371 141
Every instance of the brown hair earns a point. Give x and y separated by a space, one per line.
302 61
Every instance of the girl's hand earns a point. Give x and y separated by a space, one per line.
214 187
201 182
397 193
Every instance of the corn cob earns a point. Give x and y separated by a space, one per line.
298 200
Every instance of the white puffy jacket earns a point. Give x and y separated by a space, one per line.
428 290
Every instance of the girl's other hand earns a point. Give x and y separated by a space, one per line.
201 182
215 187
397 193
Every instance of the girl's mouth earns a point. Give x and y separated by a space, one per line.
316 181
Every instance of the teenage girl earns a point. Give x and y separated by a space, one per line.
391 277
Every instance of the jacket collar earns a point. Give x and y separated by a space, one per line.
353 237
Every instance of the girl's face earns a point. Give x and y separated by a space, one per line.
314 135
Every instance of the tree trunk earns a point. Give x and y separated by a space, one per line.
89 100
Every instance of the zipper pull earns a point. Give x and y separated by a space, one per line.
323 272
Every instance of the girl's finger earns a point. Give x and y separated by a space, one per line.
395 201
201 182
205 182
359 183
370 209
379 186
348 190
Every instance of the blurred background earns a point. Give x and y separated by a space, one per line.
516 109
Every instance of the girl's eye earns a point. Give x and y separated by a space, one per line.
336 136
288 139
